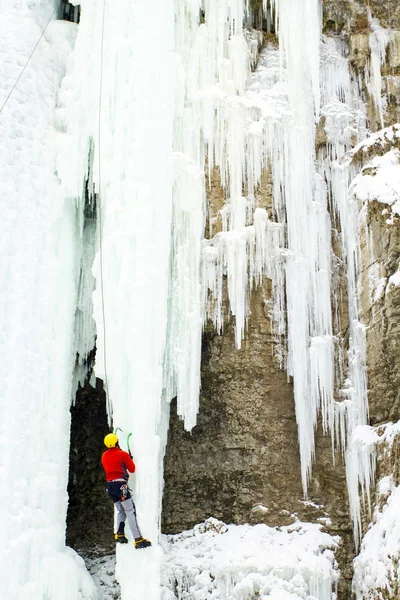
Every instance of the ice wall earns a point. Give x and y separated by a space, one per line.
39 277
118 99
157 281
243 132
270 122
143 115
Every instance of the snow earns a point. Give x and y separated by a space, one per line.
102 570
376 568
241 561
388 433
360 465
379 181
394 280
228 562
379 289
381 140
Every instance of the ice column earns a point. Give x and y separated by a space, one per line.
131 127
345 123
310 344
39 281
379 39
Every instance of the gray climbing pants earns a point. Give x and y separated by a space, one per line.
126 510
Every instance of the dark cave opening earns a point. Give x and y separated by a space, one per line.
90 513
70 12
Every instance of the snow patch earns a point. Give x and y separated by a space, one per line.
241 562
394 280
380 181
377 567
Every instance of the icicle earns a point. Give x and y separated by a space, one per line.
379 39
185 313
345 118
360 471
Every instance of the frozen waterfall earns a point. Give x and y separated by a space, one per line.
143 115
40 251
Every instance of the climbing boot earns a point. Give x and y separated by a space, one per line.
141 543
120 536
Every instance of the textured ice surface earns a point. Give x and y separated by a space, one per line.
241 562
235 562
38 281
130 131
160 281
142 117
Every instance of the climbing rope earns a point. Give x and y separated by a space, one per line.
109 406
27 62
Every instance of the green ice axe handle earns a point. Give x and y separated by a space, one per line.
127 443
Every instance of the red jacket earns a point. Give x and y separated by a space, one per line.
116 464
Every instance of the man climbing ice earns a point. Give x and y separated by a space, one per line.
116 464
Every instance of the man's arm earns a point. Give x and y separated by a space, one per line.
130 465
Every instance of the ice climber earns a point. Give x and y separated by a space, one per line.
116 464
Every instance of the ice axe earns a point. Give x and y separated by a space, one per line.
127 439
127 444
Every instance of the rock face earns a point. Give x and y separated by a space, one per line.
357 22
380 257
243 452
350 16
90 516
70 12
383 334
380 297
241 462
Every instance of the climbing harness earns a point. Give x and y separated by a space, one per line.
27 62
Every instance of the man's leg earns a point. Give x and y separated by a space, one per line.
130 511
121 517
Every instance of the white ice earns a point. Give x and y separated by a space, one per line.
145 113
39 245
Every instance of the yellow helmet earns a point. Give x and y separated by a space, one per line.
111 440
